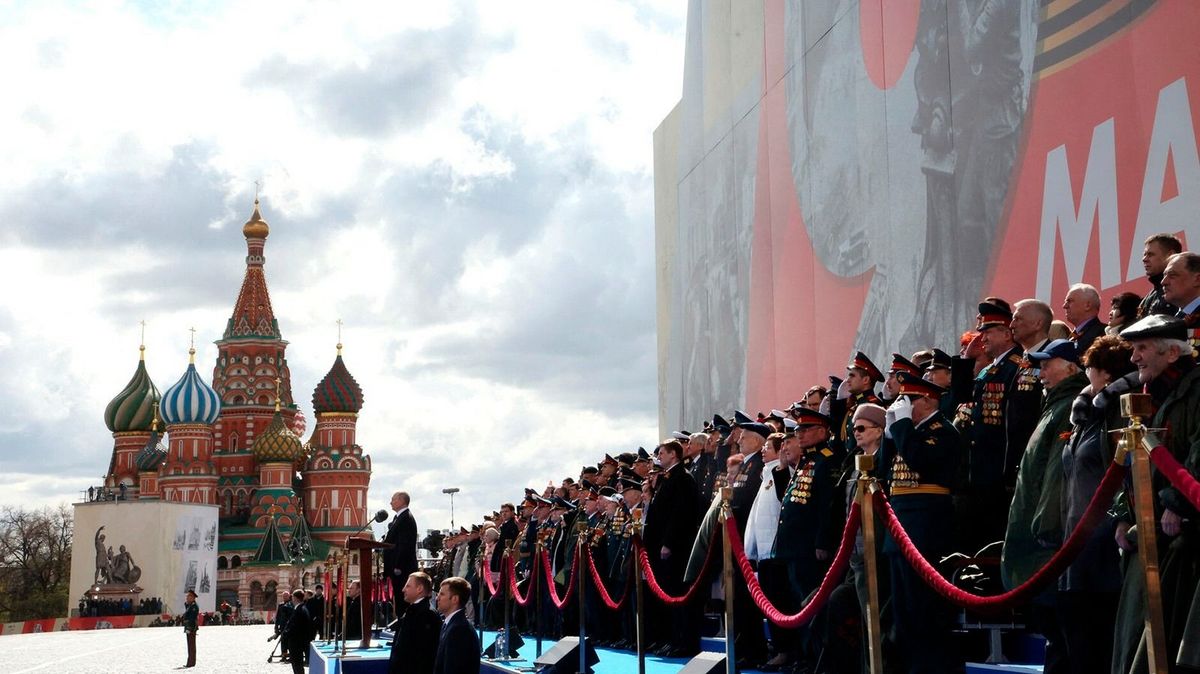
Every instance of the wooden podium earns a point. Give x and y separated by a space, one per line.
364 546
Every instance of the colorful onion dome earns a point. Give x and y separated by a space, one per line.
338 391
255 227
277 444
190 400
133 408
150 457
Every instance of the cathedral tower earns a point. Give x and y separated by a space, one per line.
337 472
129 416
189 408
251 356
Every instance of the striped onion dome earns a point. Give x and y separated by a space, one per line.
277 444
133 408
152 455
190 400
338 391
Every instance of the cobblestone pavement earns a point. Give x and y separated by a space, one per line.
220 650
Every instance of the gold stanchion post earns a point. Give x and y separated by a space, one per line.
727 580
327 619
867 486
1133 442
638 617
346 579
581 571
535 587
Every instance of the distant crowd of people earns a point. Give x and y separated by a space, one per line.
92 608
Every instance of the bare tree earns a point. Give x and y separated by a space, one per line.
35 562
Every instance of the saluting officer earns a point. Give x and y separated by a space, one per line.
918 458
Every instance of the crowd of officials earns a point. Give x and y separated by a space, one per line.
91 608
988 457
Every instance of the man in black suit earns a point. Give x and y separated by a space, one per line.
416 644
299 632
458 647
671 524
400 559
316 608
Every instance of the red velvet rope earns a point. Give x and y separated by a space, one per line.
1045 575
492 586
601 589
652 582
1179 477
514 589
837 569
560 604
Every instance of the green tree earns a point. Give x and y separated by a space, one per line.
35 562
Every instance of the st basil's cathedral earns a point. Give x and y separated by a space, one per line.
236 444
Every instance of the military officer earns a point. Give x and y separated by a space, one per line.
858 387
918 458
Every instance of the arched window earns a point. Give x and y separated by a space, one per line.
256 595
262 400
222 563
235 562
270 595
233 442
227 508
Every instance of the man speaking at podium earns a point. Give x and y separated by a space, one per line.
400 559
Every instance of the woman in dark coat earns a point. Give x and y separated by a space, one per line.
1090 587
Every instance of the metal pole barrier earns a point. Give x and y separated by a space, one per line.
867 487
504 587
481 591
346 579
727 579
581 572
639 622
328 607
1135 406
535 583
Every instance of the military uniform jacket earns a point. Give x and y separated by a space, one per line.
812 514
745 483
1002 417
918 464
1192 321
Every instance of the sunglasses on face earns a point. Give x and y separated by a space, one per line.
862 429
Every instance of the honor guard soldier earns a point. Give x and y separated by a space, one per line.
858 387
918 459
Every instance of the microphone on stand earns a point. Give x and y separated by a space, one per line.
380 516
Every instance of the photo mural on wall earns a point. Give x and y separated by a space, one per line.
858 175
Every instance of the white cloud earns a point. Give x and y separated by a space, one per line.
466 184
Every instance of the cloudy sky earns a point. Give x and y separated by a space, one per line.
467 185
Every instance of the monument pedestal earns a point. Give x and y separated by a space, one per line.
114 592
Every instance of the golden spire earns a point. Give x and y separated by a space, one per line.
339 342
278 401
142 346
154 422
192 347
